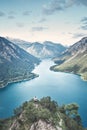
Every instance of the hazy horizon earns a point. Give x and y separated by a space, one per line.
41 42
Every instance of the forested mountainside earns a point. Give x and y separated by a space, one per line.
15 63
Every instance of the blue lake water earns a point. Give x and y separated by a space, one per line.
62 87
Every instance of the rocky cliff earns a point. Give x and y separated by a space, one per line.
44 114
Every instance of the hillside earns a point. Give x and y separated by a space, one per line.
46 50
15 63
74 60
21 43
43 50
44 115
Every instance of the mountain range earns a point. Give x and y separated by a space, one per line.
15 63
43 50
46 50
21 43
74 59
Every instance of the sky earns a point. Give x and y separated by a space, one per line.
60 21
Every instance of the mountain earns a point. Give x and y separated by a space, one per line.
43 50
74 59
21 43
46 50
44 114
15 63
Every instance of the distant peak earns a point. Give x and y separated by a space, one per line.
84 38
48 42
2 37
37 44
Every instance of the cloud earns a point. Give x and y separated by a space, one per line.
84 27
53 6
84 23
84 2
2 14
11 17
42 20
26 13
69 33
84 20
78 35
38 28
12 13
60 5
20 25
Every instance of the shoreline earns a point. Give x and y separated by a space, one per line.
31 76
81 76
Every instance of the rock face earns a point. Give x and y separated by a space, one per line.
14 62
47 49
42 125
44 114
74 59
78 47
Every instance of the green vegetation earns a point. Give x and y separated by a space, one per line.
23 77
43 109
76 65
74 59
15 63
72 111
30 113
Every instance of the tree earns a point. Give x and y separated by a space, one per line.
72 111
47 103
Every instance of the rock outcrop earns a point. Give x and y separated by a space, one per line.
44 115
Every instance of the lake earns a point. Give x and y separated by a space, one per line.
62 87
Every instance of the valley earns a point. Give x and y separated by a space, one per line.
20 69
43 65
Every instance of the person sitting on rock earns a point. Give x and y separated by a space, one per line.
35 99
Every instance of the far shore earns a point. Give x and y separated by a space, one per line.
3 84
82 77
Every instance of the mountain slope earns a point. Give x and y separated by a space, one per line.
74 59
21 43
45 50
44 115
15 63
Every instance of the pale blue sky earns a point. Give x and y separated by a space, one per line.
62 21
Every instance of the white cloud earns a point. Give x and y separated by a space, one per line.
59 5
20 25
26 13
84 23
78 35
38 28
2 14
